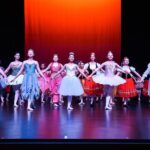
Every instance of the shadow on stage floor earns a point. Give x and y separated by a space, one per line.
84 122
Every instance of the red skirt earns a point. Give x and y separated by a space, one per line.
127 90
83 85
145 88
115 91
92 88
8 89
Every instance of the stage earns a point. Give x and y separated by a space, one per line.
82 27
84 122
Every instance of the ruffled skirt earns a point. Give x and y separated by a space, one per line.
71 86
109 80
30 87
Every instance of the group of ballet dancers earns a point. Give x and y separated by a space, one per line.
90 81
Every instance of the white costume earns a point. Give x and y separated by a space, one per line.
70 84
109 77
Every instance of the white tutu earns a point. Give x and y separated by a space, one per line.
17 81
71 86
109 80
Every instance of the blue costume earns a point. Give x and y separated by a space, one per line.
30 87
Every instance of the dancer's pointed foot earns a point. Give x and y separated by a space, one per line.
81 103
16 106
70 108
108 108
30 109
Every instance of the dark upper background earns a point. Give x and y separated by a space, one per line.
135 31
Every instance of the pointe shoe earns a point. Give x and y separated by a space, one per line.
56 105
70 108
30 109
51 102
33 106
62 101
16 106
92 104
2 101
108 108
112 103
125 105
81 103
97 99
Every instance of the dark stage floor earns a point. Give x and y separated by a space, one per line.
85 122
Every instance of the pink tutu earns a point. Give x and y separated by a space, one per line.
109 80
44 86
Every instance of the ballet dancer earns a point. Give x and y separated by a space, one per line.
14 67
70 85
30 87
54 68
109 79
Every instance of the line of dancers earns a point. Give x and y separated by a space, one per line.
90 81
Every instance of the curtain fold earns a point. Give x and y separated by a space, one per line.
81 26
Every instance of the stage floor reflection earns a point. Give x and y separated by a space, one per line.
84 122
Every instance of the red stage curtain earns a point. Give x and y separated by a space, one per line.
81 26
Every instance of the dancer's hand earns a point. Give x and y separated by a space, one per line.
127 72
46 80
6 80
12 80
89 77
141 80
86 77
53 76
138 80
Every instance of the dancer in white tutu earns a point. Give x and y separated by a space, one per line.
110 79
15 66
70 85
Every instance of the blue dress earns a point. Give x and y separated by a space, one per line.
30 87
3 83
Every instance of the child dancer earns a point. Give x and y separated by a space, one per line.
92 89
44 86
128 89
30 88
15 66
7 90
3 84
139 87
82 79
110 79
54 68
145 87
146 73
70 85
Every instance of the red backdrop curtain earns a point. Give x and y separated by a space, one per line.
81 26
